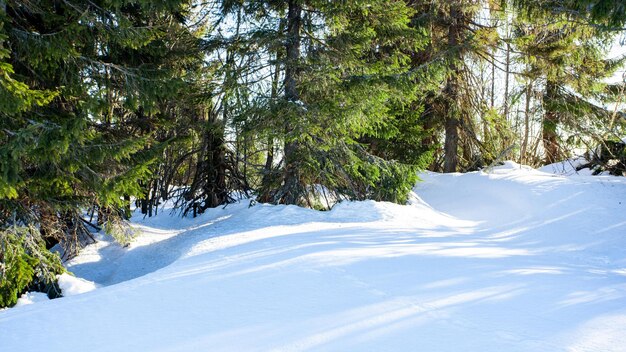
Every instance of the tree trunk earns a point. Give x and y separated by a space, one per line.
529 89
291 188
126 210
210 187
493 81
216 189
549 126
265 193
451 158
506 82
292 47
451 92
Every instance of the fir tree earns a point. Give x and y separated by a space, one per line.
71 73
459 42
330 56
567 60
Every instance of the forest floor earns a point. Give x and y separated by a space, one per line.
511 260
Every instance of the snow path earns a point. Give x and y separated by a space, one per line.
514 260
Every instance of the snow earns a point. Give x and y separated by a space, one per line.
71 285
514 259
30 298
568 167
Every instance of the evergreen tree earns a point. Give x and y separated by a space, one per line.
103 102
330 56
567 60
459 42
605 14
72 73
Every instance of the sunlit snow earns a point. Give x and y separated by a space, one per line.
511 260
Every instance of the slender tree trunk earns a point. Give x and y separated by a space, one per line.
483 97
292 47
506 82
493 81
143 203
209 187
216 190
126 210
452 106
529 89
265 194
290 192
155 198
549 126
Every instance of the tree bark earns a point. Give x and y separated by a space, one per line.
529 89
266 191
451 92
290 192
549 125
506 81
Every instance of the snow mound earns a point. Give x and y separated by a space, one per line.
509 165
30 298
71 285
513 259
568 167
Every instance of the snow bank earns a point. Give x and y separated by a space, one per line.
514 259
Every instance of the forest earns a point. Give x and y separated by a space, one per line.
107 106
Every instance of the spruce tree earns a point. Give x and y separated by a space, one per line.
82 80
459 43
566 57
328 57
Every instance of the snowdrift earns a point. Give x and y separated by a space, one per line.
513 260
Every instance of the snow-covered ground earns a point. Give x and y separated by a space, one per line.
513 260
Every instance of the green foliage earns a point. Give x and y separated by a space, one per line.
569 59
70 142
607 14
103 102
354 79
120 230
385 180
24 262
88 104
497 135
